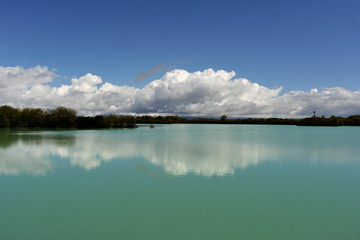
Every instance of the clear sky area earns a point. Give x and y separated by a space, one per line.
297 56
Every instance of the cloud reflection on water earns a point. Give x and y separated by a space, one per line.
30 153
34 153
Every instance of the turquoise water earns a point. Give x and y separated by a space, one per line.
181 182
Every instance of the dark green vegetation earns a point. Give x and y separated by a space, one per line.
223 120
62 117
331 121
312 121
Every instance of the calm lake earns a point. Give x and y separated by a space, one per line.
181 182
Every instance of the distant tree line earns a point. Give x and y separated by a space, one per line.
312 121
353 120
223 120
62 117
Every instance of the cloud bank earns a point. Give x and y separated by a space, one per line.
201 93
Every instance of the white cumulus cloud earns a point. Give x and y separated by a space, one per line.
201 93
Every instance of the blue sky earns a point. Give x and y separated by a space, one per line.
299 45
294 44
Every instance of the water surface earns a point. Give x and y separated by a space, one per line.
181 182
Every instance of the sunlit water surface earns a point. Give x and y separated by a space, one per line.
181 182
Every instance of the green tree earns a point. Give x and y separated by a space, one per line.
61 117
12 114
223 118
4 122
32 117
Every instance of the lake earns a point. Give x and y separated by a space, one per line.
181 182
